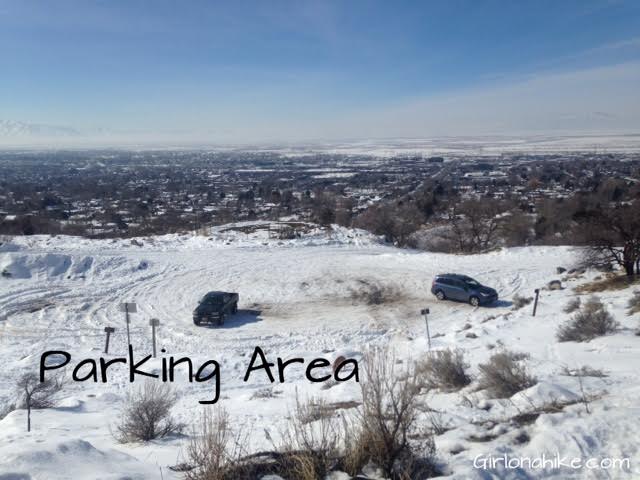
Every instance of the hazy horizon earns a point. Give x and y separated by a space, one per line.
252 73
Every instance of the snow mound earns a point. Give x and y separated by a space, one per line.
71 459
25 265
543 393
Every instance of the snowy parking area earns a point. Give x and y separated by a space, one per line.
310 298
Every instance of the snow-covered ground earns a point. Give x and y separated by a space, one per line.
300 298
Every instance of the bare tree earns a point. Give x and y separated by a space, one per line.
324 208
395 222
37 394
613 236
475 224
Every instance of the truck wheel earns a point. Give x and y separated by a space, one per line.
474 301
196 321
440 295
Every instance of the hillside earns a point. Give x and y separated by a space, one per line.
307 297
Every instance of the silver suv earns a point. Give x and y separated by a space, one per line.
452 286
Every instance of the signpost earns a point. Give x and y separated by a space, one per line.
154 322
535 303
128 308
109 331
425 312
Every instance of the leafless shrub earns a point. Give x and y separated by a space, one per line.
147 414
311 440
551 405
593 320
572 305
520 301
584 371
634 303
317 441
356 446
584 398
36 394
444 369
215 449
388 416
438 426
505 374
267 392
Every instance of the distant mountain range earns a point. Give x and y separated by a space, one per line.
21 130
22 134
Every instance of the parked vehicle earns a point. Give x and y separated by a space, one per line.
452 286
214 307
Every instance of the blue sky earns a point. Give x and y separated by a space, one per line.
312 69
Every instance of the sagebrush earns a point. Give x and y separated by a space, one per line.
505 374
572 305
520 301
593 320
146 414
444 369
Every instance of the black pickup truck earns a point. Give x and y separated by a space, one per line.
214 308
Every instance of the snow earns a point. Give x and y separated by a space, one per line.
298 298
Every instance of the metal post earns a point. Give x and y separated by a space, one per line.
535 302
109 331
154 322
126 313
425 312
128 308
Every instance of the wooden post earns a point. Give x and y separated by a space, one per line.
535 302
425 312
154 322
109 331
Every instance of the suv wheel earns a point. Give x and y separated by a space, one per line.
440 295
196 321
474 301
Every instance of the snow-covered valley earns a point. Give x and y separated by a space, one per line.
302 298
